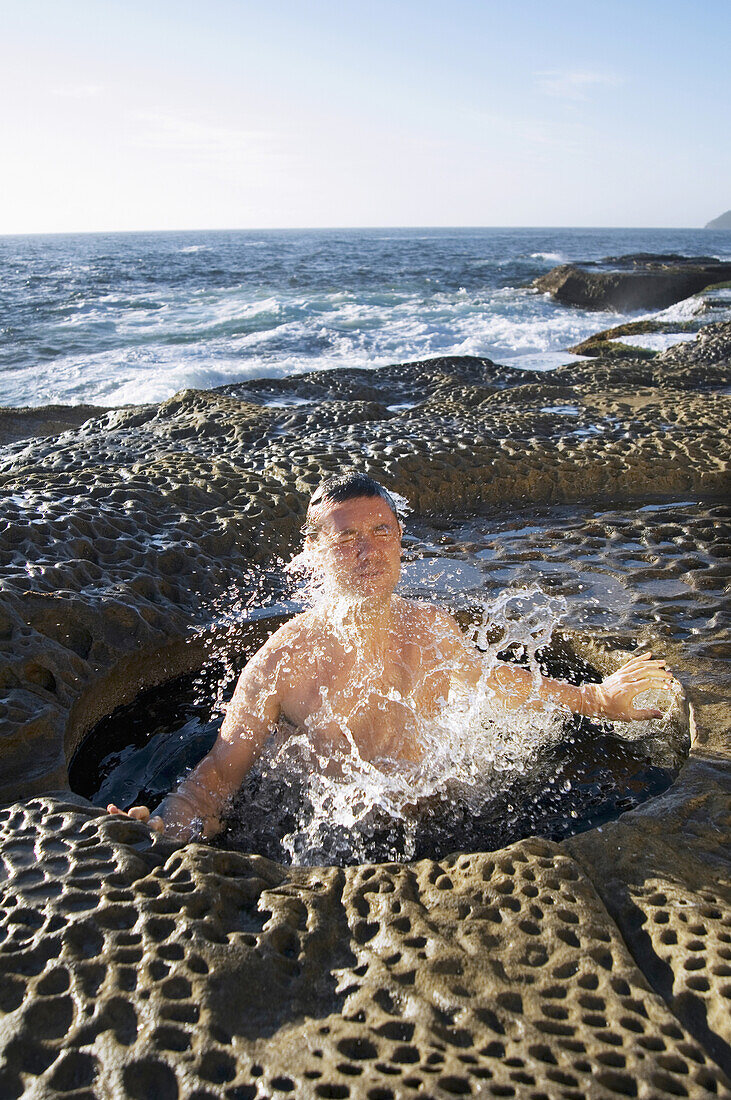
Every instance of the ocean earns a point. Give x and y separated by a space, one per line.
130 318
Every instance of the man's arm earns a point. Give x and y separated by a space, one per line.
613 698
515 686
250 717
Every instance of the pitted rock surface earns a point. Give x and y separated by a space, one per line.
127 531
664 568
675 914
131 966
202 973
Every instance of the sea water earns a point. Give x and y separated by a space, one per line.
132 318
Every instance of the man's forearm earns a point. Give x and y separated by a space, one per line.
568 695
194 807
517 687
585 699
614 698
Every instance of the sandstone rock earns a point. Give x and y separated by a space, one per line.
131 966
25 423
632 282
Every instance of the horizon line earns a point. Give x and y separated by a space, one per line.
340 228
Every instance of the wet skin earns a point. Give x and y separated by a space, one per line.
367 667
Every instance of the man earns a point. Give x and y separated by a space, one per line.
363 668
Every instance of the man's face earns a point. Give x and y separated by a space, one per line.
358 545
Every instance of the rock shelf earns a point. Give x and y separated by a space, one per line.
639 281
130 965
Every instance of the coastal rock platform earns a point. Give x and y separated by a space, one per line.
131 965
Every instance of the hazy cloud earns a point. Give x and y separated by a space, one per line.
226 146
574 84
79 91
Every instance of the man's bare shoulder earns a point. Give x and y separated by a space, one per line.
291 639
428 619
283 659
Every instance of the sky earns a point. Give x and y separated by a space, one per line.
208 114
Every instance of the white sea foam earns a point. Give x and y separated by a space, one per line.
685 310
121 327
655 341
542 360
215 339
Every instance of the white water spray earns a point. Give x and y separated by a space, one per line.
330 801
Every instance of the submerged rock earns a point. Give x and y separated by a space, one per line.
639 281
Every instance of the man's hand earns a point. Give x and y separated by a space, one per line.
614 697
193 810
139 813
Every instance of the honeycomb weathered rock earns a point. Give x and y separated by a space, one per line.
130 966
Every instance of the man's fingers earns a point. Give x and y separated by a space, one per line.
641 662
647 656
637 680
641 674
139 813
646 672
645 659
649 678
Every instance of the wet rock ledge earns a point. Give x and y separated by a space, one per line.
133 966
638 281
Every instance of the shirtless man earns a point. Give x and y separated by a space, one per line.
366 661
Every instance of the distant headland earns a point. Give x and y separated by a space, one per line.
723 221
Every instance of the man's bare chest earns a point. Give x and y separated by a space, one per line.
375 701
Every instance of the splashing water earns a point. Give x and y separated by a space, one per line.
330 802
465 773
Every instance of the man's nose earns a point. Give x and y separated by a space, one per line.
365 543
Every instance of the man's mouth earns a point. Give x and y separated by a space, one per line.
369 574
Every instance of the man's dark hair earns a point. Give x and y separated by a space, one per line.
344 487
